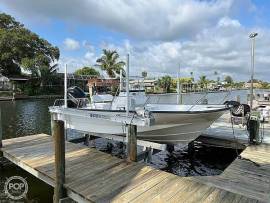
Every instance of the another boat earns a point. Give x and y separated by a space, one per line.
262 104
262 98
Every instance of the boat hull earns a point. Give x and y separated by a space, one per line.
169 127
177 128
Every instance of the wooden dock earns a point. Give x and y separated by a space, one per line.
94 176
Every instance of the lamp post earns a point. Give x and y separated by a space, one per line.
179 88
127 86
252 37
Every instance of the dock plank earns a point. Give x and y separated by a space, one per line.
249 177
132 190
94 176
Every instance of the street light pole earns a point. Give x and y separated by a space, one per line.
252 37
127 86
179 88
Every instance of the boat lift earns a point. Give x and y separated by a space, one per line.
130 121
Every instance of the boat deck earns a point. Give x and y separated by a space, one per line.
94 176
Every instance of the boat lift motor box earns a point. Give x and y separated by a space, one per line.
254 128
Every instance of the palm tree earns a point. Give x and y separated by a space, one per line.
203 81
109 62
144 74
218 78
191 75
228 79
165 82
47 74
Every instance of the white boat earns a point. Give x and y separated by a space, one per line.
262 104
262 98
173 124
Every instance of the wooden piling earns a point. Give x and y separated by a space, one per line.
132 142
170 148
87 139
191 149
1 133
58 133
149 154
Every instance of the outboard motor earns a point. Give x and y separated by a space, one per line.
232 103
76 96
238 110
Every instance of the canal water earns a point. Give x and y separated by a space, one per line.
21 118
26 117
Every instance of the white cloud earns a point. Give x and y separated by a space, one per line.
225 49
202 36
151 19
90 57
87 45
71 44
226 22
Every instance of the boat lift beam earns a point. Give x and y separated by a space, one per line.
65 114
131 122
119 138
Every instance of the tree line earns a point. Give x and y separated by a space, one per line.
24 53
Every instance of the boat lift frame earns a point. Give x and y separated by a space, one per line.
64 114
130 120
60 113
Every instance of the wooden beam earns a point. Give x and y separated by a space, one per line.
87 140
58 132
132 142
41 176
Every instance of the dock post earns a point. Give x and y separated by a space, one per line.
170 148
149 154
191 149
87 140
1 134
132 142
58 133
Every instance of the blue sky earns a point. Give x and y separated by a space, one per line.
201 36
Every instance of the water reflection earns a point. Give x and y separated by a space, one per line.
25 117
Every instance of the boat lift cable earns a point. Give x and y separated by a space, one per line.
146 102
197 102
118 89
225 97
262 132
204 96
